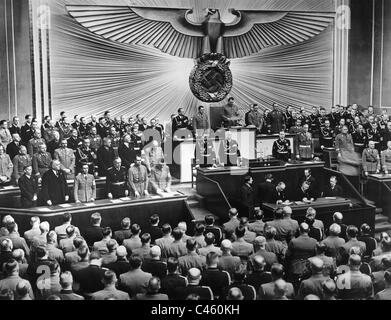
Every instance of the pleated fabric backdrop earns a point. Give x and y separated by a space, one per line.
91 75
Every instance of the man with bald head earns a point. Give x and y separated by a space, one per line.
194 278
154 265
54 185
354 285
314 285
227 261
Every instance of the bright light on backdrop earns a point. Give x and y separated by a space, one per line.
91 75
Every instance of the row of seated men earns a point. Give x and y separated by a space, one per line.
274 260
120 182
308 190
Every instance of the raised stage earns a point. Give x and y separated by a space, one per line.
171 209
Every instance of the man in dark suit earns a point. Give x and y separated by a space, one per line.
54 185
173 282
154 230
13 147
304 193
210 227
247 196
310 179
275 120
333 189
278 195
299 250
28 185
94 233
266 189
90 278
106 156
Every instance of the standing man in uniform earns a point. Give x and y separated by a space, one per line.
67 159
20 161
106 156
386 159
138 179
116 181
231 114
41 161
85 155
205 154
371 159
6 167
305 145
33 144
229 151
256 119
160 180
95 139
360 139
201 122
326 137
275 120
282 148
84 189
180 121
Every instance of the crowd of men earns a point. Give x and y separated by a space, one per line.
275 260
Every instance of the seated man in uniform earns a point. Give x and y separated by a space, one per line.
116 181
229 152
333 189
160 180
386 158
371 159
282 148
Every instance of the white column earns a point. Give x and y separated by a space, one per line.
342 27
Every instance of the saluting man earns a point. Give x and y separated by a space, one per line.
138 179
84 188
116 181
386 159
371 159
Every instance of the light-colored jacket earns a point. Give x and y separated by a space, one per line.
84 188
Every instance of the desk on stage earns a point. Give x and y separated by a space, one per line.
379 190
353 213
171 209
231 179
299 208
10 196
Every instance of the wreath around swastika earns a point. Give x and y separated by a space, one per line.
211 66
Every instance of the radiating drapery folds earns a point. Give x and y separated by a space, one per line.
92 74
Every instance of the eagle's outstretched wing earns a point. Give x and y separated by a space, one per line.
165 29
259 30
